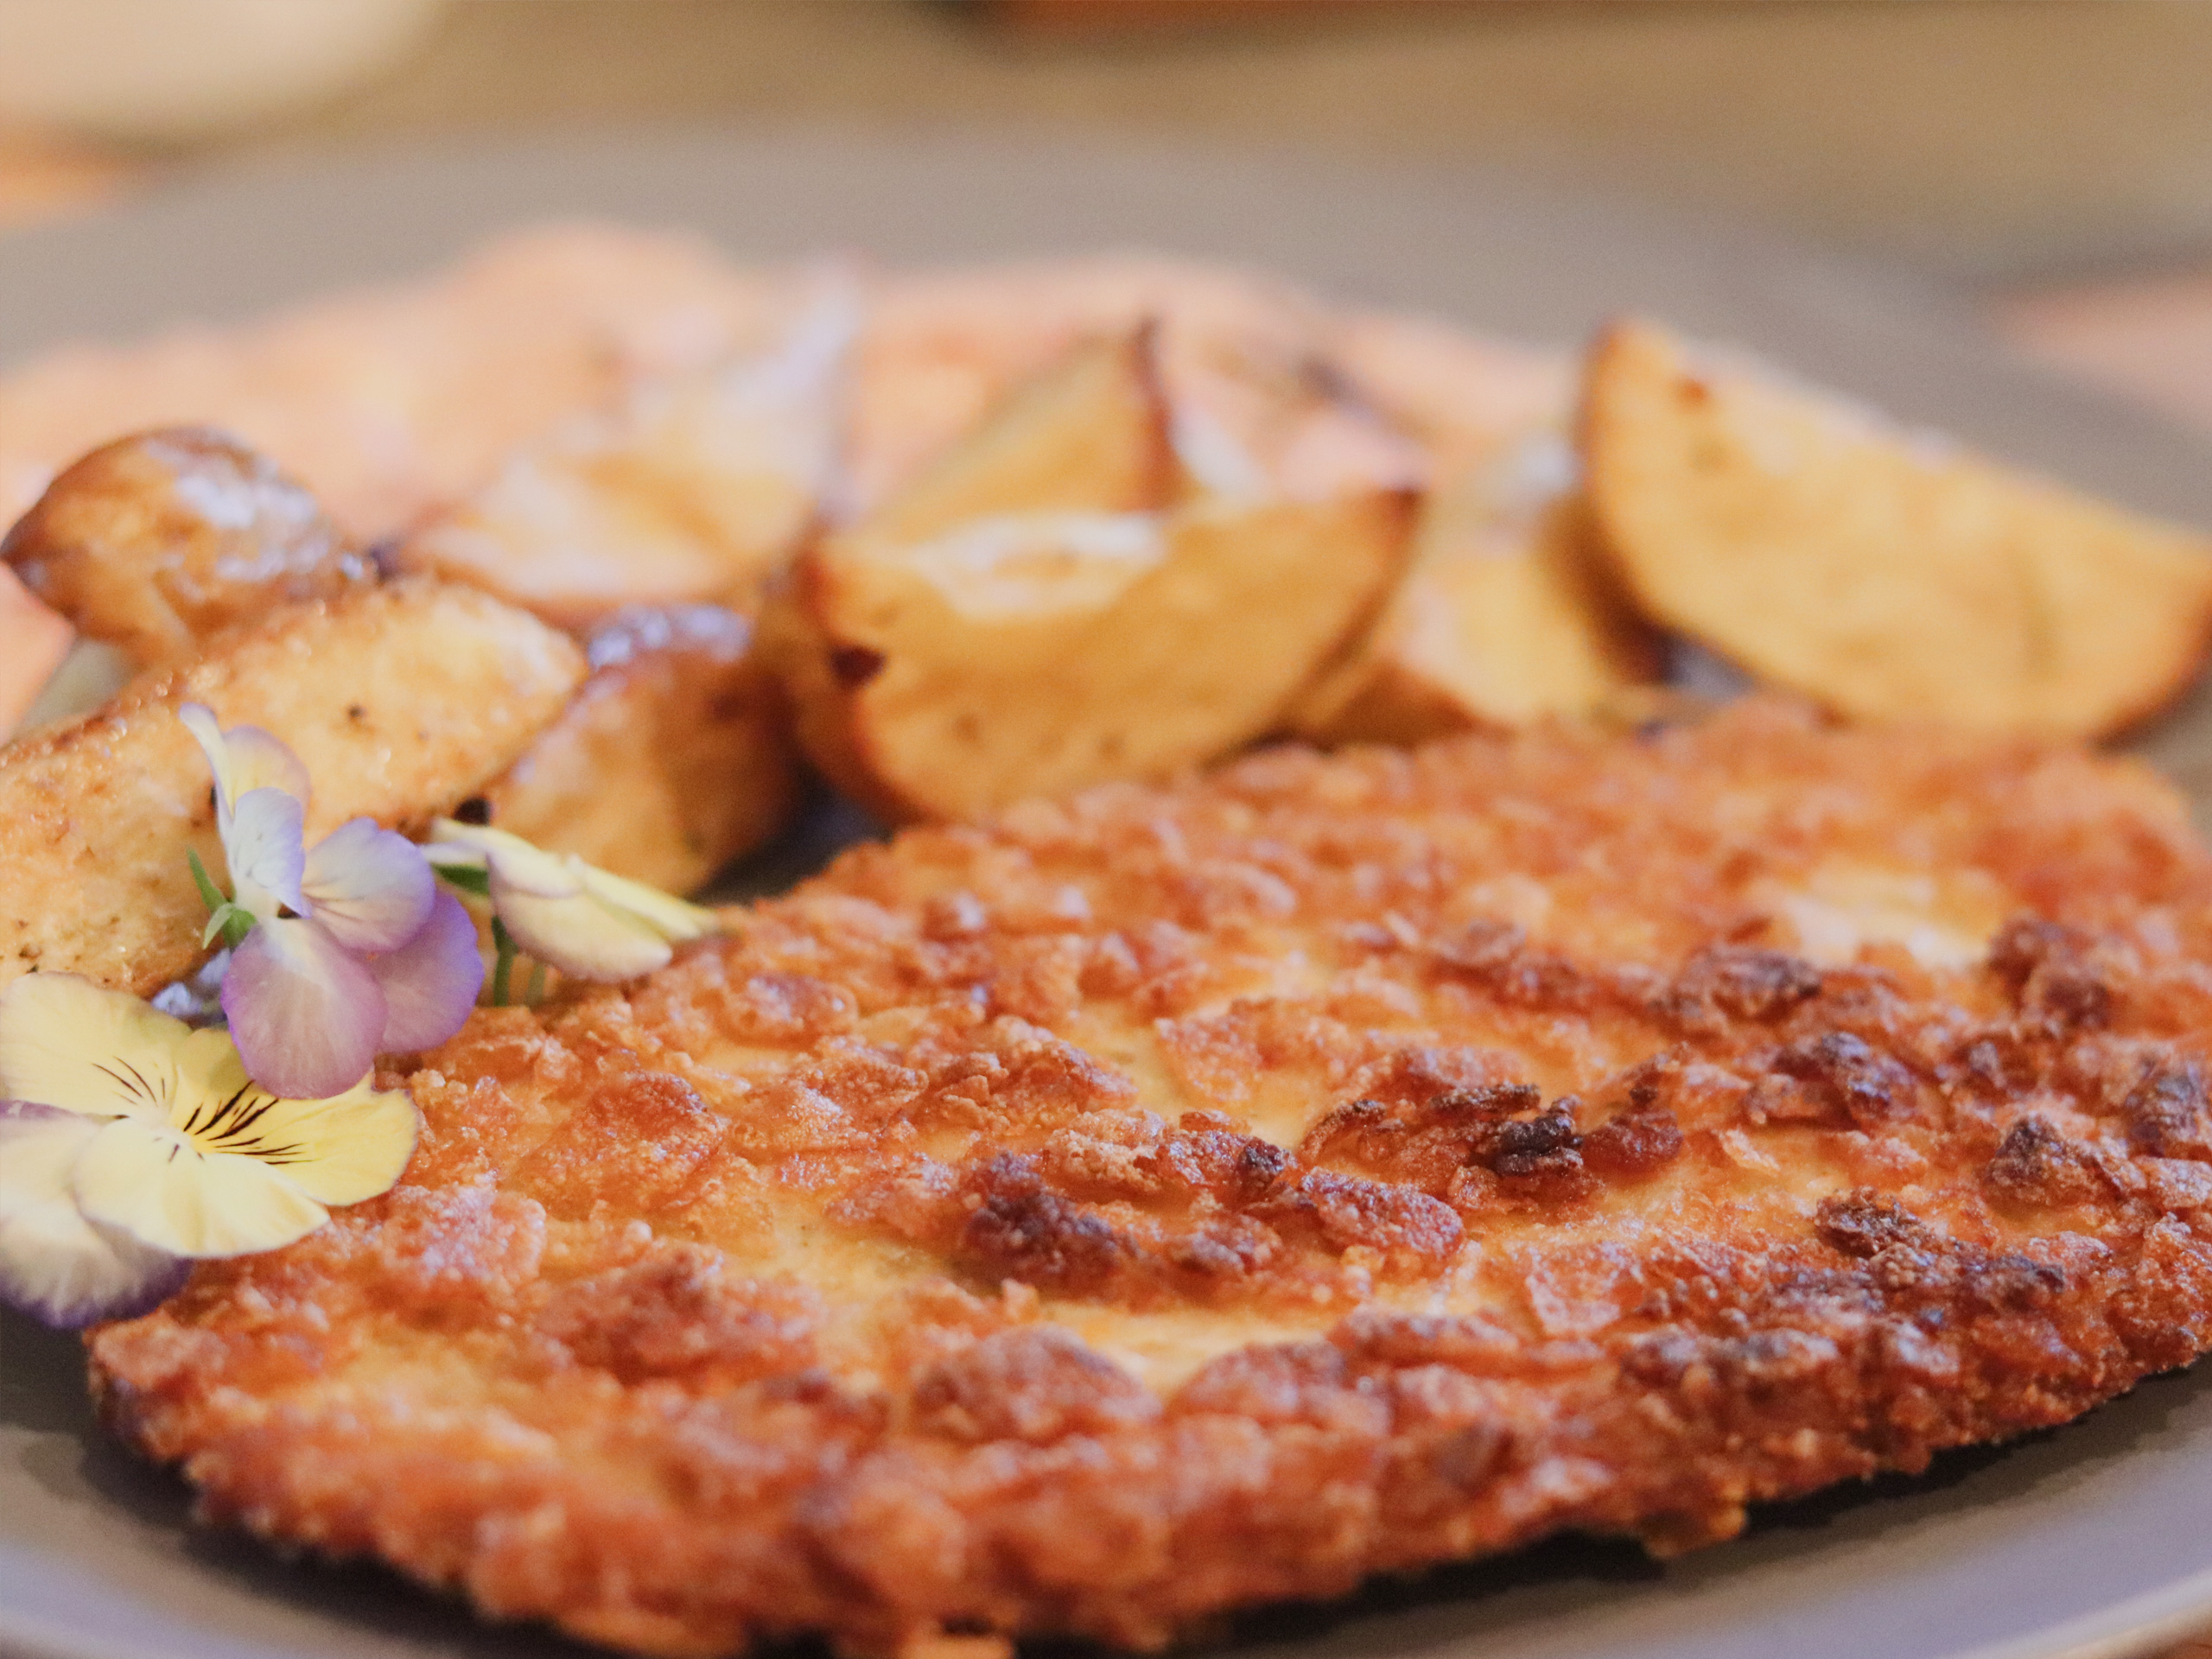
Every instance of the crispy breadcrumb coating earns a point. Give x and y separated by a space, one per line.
1179 1198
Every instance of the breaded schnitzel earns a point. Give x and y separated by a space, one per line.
1174 1198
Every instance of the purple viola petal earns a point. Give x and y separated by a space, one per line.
244 758
135 1279
61 1268
371 888
305 1011
431 982
158 1277
260 760
263 848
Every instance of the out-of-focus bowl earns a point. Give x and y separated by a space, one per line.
157 70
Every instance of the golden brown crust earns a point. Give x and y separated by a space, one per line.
671 761
401 700
1171 1200
157 542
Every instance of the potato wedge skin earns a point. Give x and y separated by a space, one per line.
922 702
1089 433
820 678
1883 575
575 542
157 541
400 700
690 503
1506 616
671 761
39 642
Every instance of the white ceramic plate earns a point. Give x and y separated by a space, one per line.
2092 1543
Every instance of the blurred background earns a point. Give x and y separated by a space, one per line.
2057 157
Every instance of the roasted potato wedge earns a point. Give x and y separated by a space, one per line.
1462 397
157 542
1088 434
1032 654
144 548
671 761
696 490
391 400
1249 363
1882 576
401 700
1255 422
1502 617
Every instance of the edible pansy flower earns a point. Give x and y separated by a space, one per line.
132 1144
55 1265
588 922
340 951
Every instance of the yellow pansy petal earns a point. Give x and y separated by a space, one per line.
451 854
543 875
477 837
579 935
207 1068
155 1185
588 922
526 867
339 1151
670 915
65 1042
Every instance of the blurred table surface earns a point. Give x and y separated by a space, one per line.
1990 140
2056 155
2037 149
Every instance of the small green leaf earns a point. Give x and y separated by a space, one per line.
232 921
469 879
210 894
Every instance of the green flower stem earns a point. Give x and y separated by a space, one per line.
503 968
210 894
536 994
